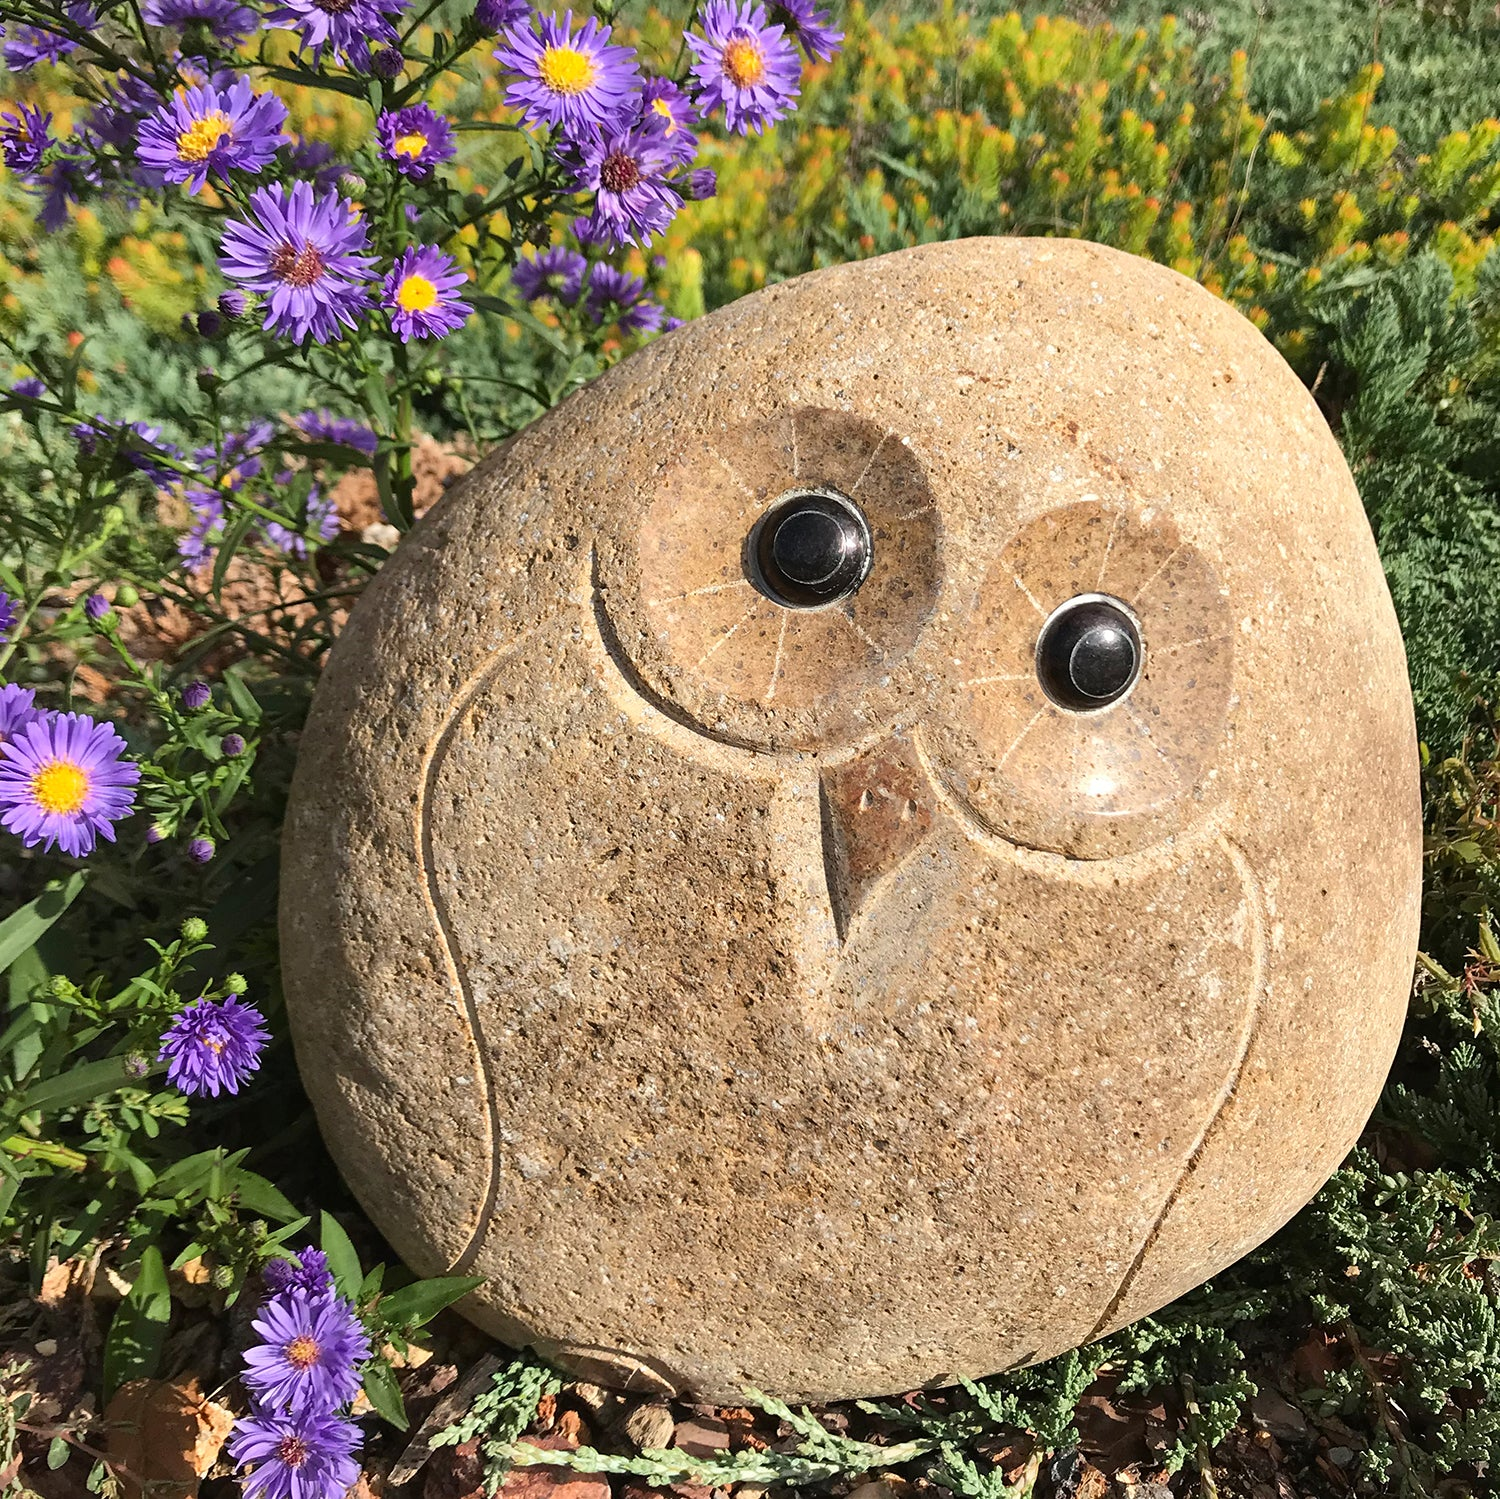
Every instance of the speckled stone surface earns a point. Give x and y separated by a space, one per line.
802 998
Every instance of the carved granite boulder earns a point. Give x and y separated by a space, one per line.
879 841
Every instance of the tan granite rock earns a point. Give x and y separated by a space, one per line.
809 998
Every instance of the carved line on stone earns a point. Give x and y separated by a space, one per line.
1141 592
1187 645
776 663
749 613
732 471
1150 739
1015 743
1109 549
1227 1089
1138 865
437 752
1030 597
864 473
696 593
853 624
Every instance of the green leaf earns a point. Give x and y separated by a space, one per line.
384 1394
419 1303
77 1085
379 400
21 930
57 1453
257 1195
343 1258
140 1326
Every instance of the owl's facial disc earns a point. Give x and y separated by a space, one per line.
811 549
1089 653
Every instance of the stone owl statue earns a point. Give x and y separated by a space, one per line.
878 842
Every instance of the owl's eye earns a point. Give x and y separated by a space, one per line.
811 549
1089 653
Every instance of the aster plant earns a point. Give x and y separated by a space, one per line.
332 294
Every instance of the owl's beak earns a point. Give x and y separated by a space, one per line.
876 809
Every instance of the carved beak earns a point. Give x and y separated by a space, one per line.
876 809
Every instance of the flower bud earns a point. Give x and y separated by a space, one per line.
156 833
703 183
200 850
136 1065
388 63
194 929
196 695
236 983
208 380
126 596
97 607
232 746
210 323
233 304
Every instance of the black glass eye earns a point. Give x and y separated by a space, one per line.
811 549
1089 653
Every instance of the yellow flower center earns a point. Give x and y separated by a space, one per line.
409 145
302 1352
60 786
416 294
566 70
744 62
203 135
665 111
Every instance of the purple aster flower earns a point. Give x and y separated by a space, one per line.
703 183
24 139
30 386
202 132
322 521
416 139
10 616
557 272
570 79
323 426
744 63
137 444
344 27
232 304
491 15
17 708
64 782
303 255
230 21
388 63
314 160
196 695
617 296
809 26
421 294
303 1455
97 607
309 1273
626 169
233 746
212 1046
60 184
311 1347
33 44
665 105
199 542
237 458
